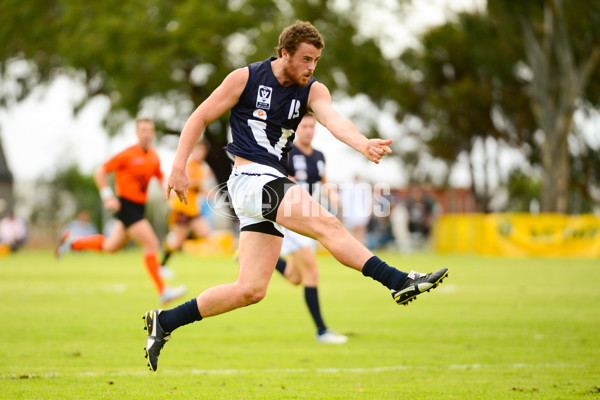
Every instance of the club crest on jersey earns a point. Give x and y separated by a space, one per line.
260 114
263 98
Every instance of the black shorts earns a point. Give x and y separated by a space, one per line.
130 212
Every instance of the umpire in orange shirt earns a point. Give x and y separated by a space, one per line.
133 168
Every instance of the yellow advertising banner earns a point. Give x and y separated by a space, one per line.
504 234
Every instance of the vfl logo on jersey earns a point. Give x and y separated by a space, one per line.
260 114
263 98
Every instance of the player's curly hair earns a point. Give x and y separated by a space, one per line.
301 32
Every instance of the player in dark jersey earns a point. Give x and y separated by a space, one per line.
266 101
307 168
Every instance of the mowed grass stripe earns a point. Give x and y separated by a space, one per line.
496 328
302 370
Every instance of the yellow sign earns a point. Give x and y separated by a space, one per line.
505 234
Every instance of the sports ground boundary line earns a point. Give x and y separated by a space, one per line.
234 371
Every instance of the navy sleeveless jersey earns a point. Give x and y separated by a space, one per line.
264 120
308 170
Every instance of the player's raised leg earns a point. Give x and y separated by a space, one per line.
301 213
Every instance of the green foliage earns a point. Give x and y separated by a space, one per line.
84 191
582 20
162 59
464 87
471 84
174 53
522 190
73 330
585 172
66 193
562 59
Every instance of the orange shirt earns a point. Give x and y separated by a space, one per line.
197 173
133 168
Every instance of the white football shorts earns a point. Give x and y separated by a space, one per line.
254 202
293 241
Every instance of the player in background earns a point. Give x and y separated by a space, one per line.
133 168
266 101
307 168
185 218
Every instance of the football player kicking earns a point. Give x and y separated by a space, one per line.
267 101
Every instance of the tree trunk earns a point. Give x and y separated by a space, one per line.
556 86
481 203
555 174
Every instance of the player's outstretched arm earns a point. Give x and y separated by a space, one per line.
342 128
221 100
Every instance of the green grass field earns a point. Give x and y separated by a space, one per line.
496 329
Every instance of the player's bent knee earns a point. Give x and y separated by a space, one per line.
252 295
110 249
294 280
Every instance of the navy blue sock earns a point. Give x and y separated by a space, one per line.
312 301
389 277
183 314
280 266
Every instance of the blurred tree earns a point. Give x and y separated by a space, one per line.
512 76
523 191
467 97
83 189
161 59
585 176
62 195
562 52
508 77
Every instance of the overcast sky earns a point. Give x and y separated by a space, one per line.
41 132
